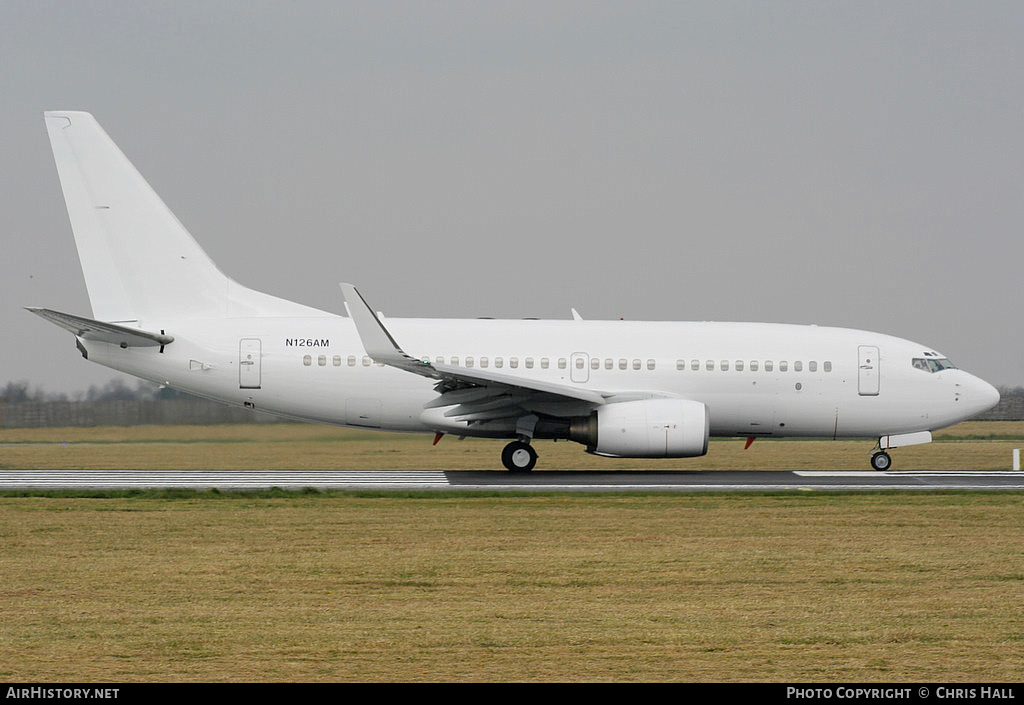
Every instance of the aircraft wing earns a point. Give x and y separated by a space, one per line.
89 329
474 394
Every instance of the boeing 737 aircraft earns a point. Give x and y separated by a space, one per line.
161 310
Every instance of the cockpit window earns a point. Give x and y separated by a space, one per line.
933 364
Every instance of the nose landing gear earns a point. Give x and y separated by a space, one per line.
881 461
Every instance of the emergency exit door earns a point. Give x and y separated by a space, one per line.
579 367
250 354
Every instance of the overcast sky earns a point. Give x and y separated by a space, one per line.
856 164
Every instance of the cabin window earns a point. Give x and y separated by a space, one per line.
636 364
499 362
561 363
579 363
322 361
622 363
783 366
812 366
454 361
709 365
768 366
695 365
828 366
609 363
651 364
351 360
336 360
513 362
484 362
367 361
544 363
798 366
595 363
739 365
724 365
469 360
680 364
307 360
529 363
753 365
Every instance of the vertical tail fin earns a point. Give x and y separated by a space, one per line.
138 260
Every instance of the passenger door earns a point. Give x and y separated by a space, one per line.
867 370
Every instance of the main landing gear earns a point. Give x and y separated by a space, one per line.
519 456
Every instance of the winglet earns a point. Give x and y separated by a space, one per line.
382 348
377 341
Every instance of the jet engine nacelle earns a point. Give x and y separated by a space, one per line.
647 428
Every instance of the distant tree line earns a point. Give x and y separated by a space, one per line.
1011 391
114 390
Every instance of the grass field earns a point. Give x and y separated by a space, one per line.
449 587
971 445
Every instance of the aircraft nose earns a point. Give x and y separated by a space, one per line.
981 395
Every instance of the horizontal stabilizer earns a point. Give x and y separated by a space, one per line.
88 329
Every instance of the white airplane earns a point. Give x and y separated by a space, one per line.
161 310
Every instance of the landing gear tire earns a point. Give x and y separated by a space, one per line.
881 461
519 457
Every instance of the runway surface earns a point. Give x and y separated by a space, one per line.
698 481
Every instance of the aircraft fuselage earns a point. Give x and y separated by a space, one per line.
756 379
